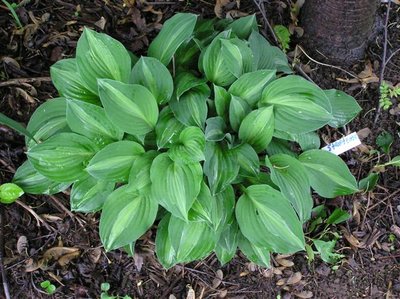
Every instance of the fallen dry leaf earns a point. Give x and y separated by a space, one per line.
304 294
218 279
351 239
285 263
67 258
138 258
222 294
224 5
57 252
94 255
22 245
365 77
294 278
281 282
191 294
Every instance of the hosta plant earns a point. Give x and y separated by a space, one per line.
209 137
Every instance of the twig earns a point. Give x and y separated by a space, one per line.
19 81
383 65
326 64
261 8
36 216
63 209
2 270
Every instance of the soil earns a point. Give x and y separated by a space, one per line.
370 267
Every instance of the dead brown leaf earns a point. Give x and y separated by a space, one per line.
281 282
294 278
304 294
218 279
190 294
67 258
138 258
351 239
94 255
224 5
31 265
22 245
366 77
285 263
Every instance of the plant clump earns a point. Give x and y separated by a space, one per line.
210 136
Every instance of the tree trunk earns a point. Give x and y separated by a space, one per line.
337 31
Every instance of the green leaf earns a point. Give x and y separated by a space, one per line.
174 32
338 216
299 106
98 55
10 192
266 56
215 129
395 162
191 109
384 141
216 210
186 81
89 195
190 240
258 255
31 181
91 121
262 208
222 100
344 107
65 77
257 128
308 141
189 147
248 160
329 175
326 250
215 66
153 75
237 56
243 27
227 243
5 120
127 104
139 177
279 146
175 185
283 35
238 109
114 162
164 250
368 183
220 166
168 129
249 86
63 157
291 178
127 215
47 120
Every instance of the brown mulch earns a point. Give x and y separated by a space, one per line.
51 30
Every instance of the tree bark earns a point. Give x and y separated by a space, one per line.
337 31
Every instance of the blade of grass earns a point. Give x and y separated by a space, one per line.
5 120
13 13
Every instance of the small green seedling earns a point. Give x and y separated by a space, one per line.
283 35
48 287
9 193
389 93
12 7
325 239
105 287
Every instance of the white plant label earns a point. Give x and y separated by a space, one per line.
344 144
